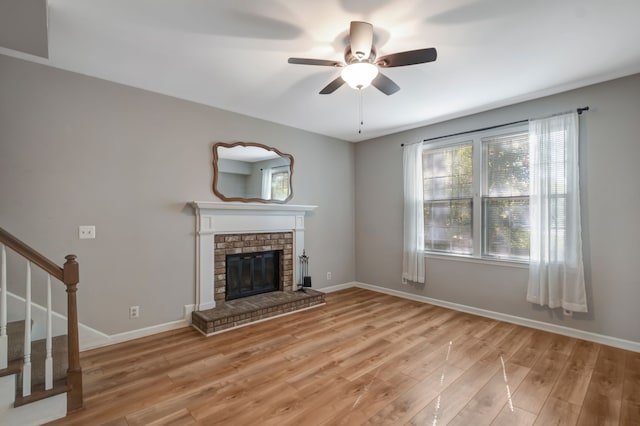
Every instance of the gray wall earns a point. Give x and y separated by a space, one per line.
610 173
76 150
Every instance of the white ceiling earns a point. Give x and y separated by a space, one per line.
232 54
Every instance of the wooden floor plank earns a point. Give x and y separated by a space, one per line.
536 387
603 401
558 412
487 403
514 416
629 413
574 380
631 390
410 403
363 358
457 395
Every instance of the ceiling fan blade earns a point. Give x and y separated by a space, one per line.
410 57
333 86
385 84
322 62
361 39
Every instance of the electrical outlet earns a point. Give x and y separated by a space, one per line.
134 312
328 276
86 232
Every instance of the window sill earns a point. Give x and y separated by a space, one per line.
480 260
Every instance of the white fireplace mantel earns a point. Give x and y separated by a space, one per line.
231 218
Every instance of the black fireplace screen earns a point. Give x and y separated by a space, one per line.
252 273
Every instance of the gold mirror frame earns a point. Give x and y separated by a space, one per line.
216 171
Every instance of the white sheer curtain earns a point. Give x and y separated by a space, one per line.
413 253
556 271
266 183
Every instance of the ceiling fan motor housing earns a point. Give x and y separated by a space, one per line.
350 58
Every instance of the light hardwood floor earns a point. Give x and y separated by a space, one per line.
363 358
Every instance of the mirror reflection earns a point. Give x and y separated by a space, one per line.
248 171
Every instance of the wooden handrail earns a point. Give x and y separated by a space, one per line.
70 276
30 254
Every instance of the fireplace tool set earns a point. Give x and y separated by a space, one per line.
305 279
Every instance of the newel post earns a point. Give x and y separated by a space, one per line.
74 373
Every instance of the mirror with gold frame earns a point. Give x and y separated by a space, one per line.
252 172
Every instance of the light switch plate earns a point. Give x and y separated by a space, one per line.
86 232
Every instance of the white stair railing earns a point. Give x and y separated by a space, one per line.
4 348
26 367
48 364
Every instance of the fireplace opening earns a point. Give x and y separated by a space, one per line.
248 274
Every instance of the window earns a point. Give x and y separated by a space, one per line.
280 183
476 195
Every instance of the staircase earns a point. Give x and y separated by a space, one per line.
41 380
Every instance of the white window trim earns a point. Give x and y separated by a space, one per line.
476 140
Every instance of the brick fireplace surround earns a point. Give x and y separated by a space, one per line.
251 243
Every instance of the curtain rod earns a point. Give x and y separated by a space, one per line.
578 110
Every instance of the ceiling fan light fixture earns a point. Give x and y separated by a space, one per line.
359 75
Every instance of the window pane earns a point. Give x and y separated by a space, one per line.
280 186
448 226
554 161
448 193
448 172
506 165
505 207
506 227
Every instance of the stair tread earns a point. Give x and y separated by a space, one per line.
59 348
38 393
15 334
13 367
38 355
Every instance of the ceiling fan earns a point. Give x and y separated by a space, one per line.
361 67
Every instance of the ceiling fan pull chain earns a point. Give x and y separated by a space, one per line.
360 111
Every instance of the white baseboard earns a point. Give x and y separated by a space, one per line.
112 339
526 322
338 287
147 331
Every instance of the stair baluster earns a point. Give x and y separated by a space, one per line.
4 348
26 368
48 363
